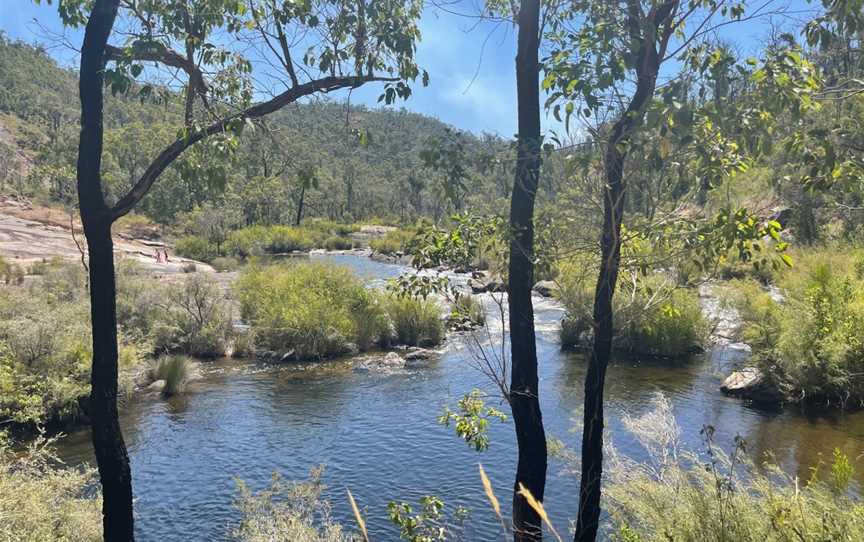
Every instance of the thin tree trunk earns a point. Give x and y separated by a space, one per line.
524 397
647 68
299 216
111 457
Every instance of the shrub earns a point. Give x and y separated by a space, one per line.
313 309
682 495
653 316
415 321
261 240
338 243
195 247
138 226
10 273
287 512
466 308
810 342
393 242
194 321
222 264
175 371
40 501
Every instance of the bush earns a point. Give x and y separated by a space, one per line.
261 240
393 242
810 343
467 309
287 512
39 501
653 316
223 265
175 371
338 243
313 309
10 273
195 247
138 226
682 495
194 321
415 321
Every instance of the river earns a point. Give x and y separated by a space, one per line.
377 433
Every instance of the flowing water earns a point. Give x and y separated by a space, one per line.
377 433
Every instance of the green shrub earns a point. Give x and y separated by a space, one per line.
338 243
811 343
287 512
415 321
393 242
195 247
10 273
653 316
261 240
175 371
40 501
468 309
313 309
244 344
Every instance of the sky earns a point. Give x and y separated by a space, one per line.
471 64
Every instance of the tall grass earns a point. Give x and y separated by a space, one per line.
175 371
393 242
313 309
415 321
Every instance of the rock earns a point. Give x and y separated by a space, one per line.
751 383
485 283
157 386
782 215
288 356
393 361
546 288
426 342
418 354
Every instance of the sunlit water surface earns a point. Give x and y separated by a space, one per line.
377 433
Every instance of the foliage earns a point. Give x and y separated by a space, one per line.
175 371
260 240
809 343
195 248
40 500
681 495
467 308
287 512
430 524
471 422
416 321
337 242
393 242
313 309
653 316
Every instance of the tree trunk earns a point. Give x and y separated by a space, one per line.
299 216
111 458
648 63
524 397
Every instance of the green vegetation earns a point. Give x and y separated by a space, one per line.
41 501
175 371
471 422
653 316
393 242
318 311
681 495
809 343
313 309
416 321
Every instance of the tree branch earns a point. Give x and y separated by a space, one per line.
175 149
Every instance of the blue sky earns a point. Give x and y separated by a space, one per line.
471 65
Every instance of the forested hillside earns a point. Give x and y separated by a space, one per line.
356 163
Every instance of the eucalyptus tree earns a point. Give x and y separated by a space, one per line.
239 61
604 63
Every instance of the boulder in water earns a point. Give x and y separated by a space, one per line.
546 288
751 383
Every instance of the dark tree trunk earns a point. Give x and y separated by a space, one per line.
524 398
649 58
299 216
111 458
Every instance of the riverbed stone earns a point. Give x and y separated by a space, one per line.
157 386
751 383
486 283
546 288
